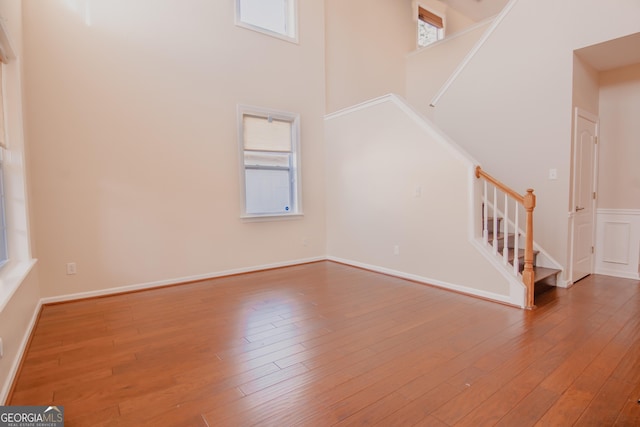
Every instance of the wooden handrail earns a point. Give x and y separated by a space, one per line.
529 203
501 186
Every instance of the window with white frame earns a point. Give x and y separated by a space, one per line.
273 17
430 27
269 145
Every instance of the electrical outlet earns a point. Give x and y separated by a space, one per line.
553 174
396 250
71 268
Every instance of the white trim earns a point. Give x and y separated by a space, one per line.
11 278
6 43
417 117
620 274
453 36
427 281
360 106
625 212
177 280
579 112
294 119
292 35
467 59
629 267
271 217
517 289
13 370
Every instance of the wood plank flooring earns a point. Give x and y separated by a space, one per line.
326 344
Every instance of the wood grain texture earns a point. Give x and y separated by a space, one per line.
327 344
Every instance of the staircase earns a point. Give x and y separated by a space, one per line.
503 210
545 278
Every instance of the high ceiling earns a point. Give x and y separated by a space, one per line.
603 56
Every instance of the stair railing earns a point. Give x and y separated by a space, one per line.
520 203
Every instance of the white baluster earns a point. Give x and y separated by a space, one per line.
505 228
485 218
516 258
495 220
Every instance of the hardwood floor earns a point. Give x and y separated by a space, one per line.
326 344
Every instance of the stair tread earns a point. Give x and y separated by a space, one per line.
499 236
542 273
520 253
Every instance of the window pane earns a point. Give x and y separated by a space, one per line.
259 158
268 14
267 191
427 33
264 135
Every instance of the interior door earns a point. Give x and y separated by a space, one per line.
584 195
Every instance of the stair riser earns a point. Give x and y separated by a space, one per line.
490 225
500 242
521 262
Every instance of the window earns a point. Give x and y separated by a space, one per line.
274 17
15 252
269 155
430 27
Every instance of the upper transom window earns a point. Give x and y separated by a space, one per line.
273 17
430 27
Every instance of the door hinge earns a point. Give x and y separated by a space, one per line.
594 195
595 138
593 250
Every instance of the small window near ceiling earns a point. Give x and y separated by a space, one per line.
269 143
430 27
273 17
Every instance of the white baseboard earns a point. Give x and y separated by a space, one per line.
177 280
427 281
13 371
618 273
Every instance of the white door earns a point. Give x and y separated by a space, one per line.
584 194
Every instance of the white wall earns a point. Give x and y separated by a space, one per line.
391 181
430 67
511 107
586 86
618 218
366 47
619 183
131 109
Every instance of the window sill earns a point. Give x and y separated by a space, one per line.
271 217
11 277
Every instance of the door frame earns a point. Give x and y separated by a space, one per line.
579 112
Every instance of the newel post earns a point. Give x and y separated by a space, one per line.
528 276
